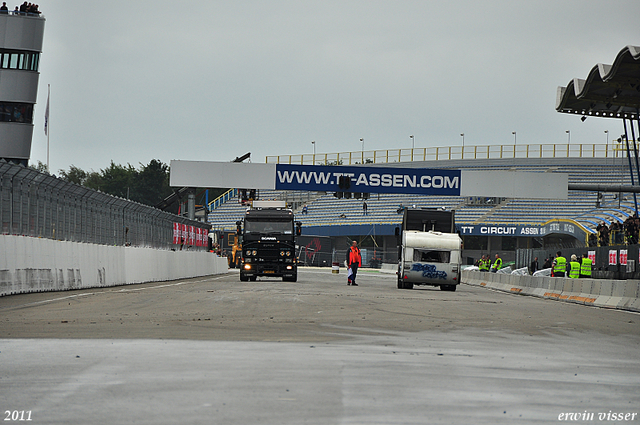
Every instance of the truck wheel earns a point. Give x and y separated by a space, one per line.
450 288
407 285
253 278
243 278
294 278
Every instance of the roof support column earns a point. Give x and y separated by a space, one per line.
635 198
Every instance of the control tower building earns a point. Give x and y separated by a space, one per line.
21 36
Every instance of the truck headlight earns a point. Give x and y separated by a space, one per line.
254 252
247 266
282 253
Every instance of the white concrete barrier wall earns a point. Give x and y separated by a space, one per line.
37 265
620 294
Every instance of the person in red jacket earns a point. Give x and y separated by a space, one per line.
354 260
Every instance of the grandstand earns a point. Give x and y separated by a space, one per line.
340 218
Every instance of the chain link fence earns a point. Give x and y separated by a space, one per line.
40 205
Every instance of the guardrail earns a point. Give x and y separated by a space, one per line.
613 150
231 193
40 265
607 293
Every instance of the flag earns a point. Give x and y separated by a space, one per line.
46 115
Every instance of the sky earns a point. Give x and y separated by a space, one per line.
213 80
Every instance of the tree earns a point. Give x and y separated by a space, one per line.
40 167
147 185
152 183
75 175
118 180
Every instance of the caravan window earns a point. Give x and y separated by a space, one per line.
431 256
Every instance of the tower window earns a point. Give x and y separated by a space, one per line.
16 59
16 112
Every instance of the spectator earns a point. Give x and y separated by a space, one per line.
616 232
305 209
364 208
631 226
547 263
593 239
603 234
4 9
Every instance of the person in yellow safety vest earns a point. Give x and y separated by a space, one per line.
585 267
497 265
483 264
574 270
559 266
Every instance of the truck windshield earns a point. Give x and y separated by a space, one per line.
431 256
266 227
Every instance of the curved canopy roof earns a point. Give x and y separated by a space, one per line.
611 91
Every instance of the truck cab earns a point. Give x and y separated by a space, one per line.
268 244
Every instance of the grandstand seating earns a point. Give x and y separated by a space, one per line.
326 210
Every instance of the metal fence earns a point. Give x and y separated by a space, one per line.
446 153
40 205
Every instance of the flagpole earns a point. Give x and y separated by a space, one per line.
46 124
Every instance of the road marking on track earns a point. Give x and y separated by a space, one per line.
51 300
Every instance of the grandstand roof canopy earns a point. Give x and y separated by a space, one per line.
611 91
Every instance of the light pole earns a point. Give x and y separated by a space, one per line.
514 138
568 137
413 142
462 134
314 148
607 133
362 140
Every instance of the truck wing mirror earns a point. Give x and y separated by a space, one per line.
298 228
238 227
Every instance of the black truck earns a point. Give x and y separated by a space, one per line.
268 244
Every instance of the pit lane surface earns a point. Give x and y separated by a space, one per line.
217 350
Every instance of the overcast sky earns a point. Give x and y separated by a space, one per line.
213 80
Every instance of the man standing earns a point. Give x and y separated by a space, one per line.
497 265
559 265
354 260
483 264
585 267
574 267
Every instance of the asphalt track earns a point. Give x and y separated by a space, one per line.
218 351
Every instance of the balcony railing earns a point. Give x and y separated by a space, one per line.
612 150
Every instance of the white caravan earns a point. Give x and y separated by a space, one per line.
429 258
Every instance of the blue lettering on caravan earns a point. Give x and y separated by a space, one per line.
324 178
429 271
